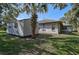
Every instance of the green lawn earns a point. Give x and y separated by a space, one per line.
43 44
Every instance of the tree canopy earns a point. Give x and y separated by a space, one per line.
9 11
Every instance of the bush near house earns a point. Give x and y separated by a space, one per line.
2 28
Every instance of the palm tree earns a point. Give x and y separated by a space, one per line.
9 11
33 9
72 16
59 5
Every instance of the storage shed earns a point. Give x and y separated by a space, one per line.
20 27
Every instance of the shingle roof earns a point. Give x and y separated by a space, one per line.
47 21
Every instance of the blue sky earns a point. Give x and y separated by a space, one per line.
54 14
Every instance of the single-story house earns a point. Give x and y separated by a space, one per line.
53 27
20 27
50 27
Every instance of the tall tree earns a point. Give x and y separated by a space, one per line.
72 16
59 5
33 9
9 11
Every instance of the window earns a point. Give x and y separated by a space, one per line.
64 27
15 25
53 27
44 27
9 26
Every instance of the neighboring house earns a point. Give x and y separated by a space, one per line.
50 26
20 27
53 27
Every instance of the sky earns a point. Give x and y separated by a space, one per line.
53 14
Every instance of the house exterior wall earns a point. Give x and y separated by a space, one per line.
49 28
10 28
28 28
20 28
78 29
13 29
67 28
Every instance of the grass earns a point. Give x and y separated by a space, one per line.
12 45
43 44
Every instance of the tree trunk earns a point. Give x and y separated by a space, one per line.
34 24
33 32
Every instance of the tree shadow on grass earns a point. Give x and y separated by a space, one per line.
68 45
73 33
11 45
76 34
43 36
14 47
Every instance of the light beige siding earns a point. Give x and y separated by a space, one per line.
28 29
48 28
20 28
23 28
